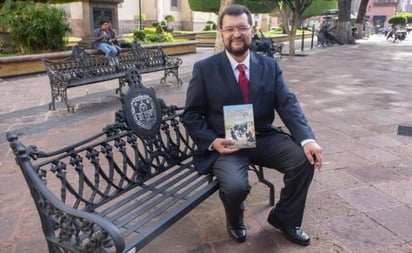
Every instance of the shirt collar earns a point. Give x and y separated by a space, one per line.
234 63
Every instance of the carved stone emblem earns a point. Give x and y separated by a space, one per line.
144 111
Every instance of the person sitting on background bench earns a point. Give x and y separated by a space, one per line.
103 40
261 44
114 40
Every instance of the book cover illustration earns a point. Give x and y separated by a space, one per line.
239 125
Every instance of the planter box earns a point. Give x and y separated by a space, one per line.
31 64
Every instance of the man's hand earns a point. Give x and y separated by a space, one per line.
314 153
222 146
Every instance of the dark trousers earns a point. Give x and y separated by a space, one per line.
276 151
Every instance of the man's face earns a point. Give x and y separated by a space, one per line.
104 26
236 34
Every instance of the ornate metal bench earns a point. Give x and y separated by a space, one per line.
119 189
82 68
150 60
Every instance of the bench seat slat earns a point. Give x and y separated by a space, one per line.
142 217
147 190
172 217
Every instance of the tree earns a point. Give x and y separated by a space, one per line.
255 6
45 1
291 15
360 19
344 28
318 8
219 47
401 18
34 27
291 12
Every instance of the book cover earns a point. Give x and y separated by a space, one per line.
239 125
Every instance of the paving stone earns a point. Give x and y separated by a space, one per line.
8 224
6 246
401 167
376 155
396 219
30 246
325 205
343 160
336 179
255 243
381 141
367 198
400 190
371 174
358 232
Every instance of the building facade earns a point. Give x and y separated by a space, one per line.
85 16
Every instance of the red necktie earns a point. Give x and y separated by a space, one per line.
243 82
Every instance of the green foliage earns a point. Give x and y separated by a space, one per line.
401 18
139 35
159 29
318 7
152 35
205 6
255 6
49 1
210 25
169 18
35 27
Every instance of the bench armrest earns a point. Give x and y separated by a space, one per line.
172 61
65 227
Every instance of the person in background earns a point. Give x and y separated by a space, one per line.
103 40
214 84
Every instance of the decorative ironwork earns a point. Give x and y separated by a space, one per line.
82 68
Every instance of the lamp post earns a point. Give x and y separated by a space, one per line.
140 14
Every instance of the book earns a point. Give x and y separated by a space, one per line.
240 125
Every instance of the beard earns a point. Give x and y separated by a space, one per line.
239 51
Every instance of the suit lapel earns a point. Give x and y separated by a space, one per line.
255 77
228 80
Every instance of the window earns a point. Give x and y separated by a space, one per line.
174 3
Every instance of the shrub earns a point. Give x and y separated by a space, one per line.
169 18
139 35
35 27
152 35
210 25
159 29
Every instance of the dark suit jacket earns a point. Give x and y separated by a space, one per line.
214 85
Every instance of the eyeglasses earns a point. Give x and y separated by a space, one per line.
232 30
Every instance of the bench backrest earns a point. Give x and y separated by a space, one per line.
141 57
122 156
79 65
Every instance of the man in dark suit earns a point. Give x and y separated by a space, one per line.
214 84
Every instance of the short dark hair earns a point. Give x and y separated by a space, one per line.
235 10
102 22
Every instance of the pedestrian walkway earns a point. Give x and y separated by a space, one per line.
354 96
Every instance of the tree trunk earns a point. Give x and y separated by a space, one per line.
292 33
344 28
360 19
288 22
219 47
